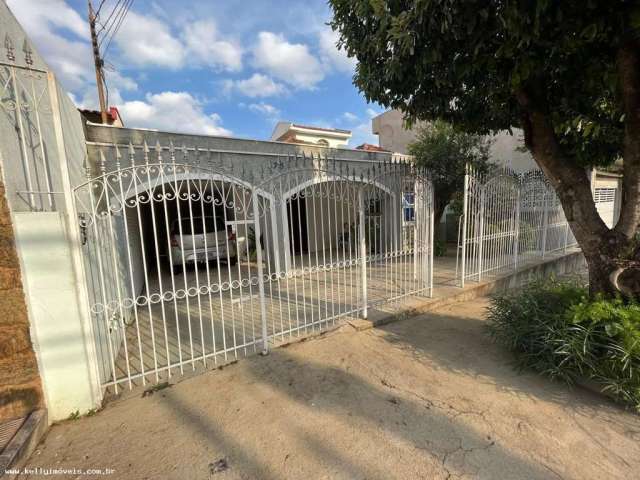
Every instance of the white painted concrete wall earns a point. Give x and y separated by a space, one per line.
52 298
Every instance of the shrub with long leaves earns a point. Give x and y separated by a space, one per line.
554 328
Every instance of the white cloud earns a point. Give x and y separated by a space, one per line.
146 40
350 117
256 86
331 56
69 55
201 38
265 109
34 15
290 62
174 112
372 113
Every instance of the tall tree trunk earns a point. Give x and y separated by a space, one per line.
440 202
612 255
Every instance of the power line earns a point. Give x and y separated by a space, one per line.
113 20
117 28
100 7
113 10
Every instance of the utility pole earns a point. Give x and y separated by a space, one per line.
98 63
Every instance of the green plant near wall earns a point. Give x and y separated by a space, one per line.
554 328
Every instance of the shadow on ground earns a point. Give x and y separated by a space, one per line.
429 397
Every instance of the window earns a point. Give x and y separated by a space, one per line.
605 195
409 206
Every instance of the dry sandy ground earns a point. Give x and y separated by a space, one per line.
428 397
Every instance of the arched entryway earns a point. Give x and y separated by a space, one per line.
170 261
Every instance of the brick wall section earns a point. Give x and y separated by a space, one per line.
20 387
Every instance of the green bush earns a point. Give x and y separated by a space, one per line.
554 328
439 248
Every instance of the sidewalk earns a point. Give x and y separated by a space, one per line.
427 397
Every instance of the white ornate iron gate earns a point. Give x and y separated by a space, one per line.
189 267
508 218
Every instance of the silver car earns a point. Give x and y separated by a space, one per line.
203 239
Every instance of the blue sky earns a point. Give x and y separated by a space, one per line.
207 66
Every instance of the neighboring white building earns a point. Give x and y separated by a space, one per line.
294 133
506 149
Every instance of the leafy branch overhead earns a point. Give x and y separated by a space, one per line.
567 73
463 61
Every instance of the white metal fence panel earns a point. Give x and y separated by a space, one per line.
508 219
188 267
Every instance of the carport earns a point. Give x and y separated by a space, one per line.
193 259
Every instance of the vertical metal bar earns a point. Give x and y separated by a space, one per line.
177 187
157 250
517 230
314 193
170 254
291 228
481 234
326 266
130 261
115 265
214 201
23 141
234 197
465 206
263 307
363 252
42 152
258 240
205 234
431 237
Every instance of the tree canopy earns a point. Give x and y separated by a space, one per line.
566 72
445 151
464 60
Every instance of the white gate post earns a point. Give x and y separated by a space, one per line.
481 234
431 239
94 393
263 307
465 206
363 251
516 237
545 223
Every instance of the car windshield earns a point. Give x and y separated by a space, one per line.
196 226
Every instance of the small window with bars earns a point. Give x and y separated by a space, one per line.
604 195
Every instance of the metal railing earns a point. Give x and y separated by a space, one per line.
507 218
189 265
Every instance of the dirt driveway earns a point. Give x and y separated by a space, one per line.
429 397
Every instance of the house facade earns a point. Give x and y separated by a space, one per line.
507 149
309 135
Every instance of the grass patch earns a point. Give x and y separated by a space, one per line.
554 328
